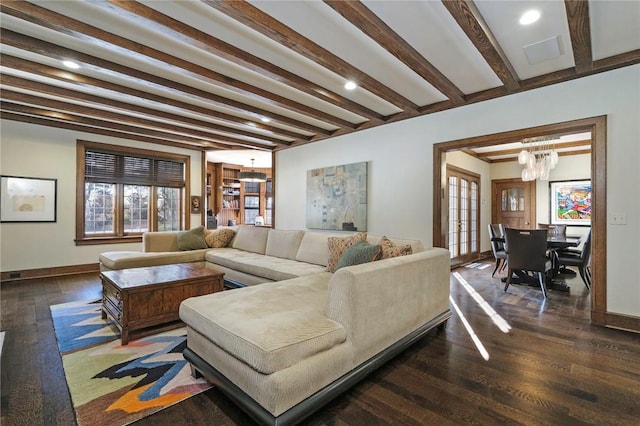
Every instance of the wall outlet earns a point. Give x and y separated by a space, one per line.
618 218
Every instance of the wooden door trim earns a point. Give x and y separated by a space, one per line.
598 128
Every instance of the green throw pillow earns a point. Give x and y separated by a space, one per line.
358 253
192 239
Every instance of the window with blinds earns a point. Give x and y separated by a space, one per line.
128 192
128 169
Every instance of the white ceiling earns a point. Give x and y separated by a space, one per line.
202 74
242 158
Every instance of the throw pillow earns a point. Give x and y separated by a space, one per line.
337 246
362 252
192 239
219 237
391 250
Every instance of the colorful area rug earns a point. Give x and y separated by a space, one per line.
114 384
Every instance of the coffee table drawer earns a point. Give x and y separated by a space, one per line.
112 294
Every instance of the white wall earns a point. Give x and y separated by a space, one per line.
38 151
400 164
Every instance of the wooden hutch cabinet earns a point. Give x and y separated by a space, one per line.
232 200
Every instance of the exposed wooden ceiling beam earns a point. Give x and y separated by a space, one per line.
92 82
61 93
254 18
49 122
148 96
151 18
44 48
468 17
135 124
580 31
515 151
560 154
369 23
98 37
89 83
89 122
617 61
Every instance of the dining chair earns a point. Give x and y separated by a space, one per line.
496 235
580 259
527 251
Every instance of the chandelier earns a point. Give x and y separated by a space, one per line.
538 157
252 176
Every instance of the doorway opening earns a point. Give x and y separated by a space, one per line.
597 127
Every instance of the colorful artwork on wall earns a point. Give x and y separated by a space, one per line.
571 202
337 197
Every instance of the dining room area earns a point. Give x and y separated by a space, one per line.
545 257
552 211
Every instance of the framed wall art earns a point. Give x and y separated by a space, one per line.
196 204
27 199
337 197
570 202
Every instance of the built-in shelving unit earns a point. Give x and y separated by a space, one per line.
224 194
232 200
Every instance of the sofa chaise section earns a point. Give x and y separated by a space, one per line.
281 350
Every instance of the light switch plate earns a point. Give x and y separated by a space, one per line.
618 218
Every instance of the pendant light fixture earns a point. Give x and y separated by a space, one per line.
538 159
252 176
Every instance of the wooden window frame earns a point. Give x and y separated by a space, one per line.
83 239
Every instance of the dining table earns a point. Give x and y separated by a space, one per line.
555 243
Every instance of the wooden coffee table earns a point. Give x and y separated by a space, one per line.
144 301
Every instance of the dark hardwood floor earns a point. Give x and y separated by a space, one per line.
551 367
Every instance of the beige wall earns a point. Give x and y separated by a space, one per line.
400 158
37 151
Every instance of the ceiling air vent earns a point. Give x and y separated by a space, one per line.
544 50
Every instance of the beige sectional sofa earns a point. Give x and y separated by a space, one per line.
284 348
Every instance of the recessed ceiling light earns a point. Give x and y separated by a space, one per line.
70 64
265 119
529 17
350 85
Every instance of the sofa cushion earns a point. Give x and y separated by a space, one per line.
192 239
337 246
251 238
273 268
416 245
389 249
362 252
314 248
281 243
136 259
269 327
219 237
160 241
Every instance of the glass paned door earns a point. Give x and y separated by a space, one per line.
464 215
513 203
